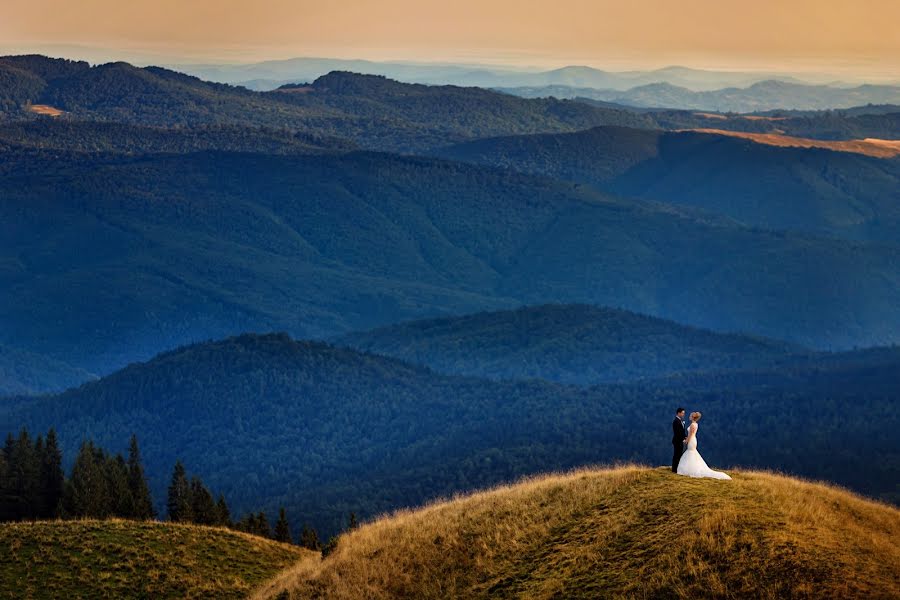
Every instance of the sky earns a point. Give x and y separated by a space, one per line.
858 36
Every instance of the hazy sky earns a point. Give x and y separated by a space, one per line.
861 35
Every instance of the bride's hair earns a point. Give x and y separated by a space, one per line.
695 416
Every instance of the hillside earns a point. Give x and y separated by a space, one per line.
118 559
324 431
627 532
23 372
205 245
374 112
834 193
574 344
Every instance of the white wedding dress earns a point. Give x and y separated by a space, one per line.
692 464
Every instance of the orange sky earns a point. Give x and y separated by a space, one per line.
713 33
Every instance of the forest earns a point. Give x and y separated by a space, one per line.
324 431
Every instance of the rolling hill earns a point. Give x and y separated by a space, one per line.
324 431
759 96
812 190
118 559
374 112
23 373
627 532
204 245
575 344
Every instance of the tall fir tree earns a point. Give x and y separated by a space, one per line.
283 528
178 503
203 507
142 507
121 502
52 476
262 525
309 539
87 494
223 514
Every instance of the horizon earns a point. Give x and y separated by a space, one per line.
850 42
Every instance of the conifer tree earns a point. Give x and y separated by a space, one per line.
353 523
309 539
262 525
142 507
121 502
86 493
52 477
223 515
282 528
203 507
178 502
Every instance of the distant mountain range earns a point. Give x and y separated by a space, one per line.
271 74
765 95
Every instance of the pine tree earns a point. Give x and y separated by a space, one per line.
262 525
282 528
310 539
121 502
223 515
86 493
353 523
178 503
8 503
137 484
203 507
52 477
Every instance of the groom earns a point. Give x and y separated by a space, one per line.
678 437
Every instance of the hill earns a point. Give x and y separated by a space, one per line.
627 532
204 245
834 193
324 431
575 344
118 559
23 372
760 96
375 112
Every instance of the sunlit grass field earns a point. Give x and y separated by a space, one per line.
128 559
625 532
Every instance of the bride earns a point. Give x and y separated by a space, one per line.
691 463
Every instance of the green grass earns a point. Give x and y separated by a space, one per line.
631 532
119 559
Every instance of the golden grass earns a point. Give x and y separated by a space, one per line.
128 559
45 109
627 532
721 117
868 146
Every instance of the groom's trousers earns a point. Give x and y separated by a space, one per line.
678 450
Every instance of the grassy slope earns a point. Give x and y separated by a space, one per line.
118 559
632 532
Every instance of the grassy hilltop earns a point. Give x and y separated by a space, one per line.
626 532
127 559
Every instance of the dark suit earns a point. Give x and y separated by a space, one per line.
678 436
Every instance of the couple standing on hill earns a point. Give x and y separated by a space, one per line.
685 458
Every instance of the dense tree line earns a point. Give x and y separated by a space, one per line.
101 486
32 484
